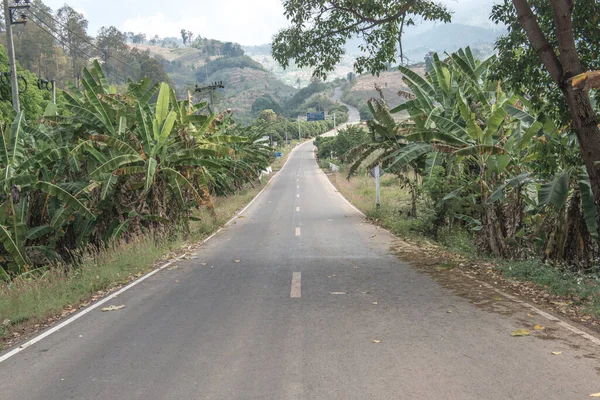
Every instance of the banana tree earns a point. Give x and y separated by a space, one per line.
31 207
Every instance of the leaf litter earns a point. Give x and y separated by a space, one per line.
113 308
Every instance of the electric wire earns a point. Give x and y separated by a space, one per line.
54 34
84 39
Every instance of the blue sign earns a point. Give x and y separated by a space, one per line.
277 154
320 116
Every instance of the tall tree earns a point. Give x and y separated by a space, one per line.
184 36
321 28
73 28
550 42
113 48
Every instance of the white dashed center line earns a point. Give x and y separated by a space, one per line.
296 285
298 231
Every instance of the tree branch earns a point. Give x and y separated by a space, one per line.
538 40
569 59
374 21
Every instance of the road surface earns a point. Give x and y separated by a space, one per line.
353 114
317 307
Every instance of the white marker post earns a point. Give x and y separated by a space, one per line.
377 186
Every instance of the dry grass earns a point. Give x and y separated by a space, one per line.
360 190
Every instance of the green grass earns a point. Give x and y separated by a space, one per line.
29 302
582 288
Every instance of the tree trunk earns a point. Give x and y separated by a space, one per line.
585 123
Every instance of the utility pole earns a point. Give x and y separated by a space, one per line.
53 91
299 135
9 20
210 88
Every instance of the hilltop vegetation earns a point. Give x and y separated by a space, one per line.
206 60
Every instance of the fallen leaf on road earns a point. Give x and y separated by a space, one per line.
497 298
520 332
241 216
236 261
557 353
337 292
176 281
449 311
530 315
376 341
202 263
374 303
539 328
365 292
113 308
595 394
373 236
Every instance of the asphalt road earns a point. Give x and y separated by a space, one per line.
295 319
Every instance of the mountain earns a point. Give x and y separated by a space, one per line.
292 75
449 38
245 79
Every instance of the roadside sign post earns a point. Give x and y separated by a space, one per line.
376 173
377 204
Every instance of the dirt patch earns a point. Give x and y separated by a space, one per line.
465 277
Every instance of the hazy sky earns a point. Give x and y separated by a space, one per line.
249 22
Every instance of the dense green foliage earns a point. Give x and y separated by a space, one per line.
33 101
278 128
339 146
266 102
484 159
113 165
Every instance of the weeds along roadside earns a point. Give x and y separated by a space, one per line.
30 304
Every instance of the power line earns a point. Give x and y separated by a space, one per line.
79 52
76 34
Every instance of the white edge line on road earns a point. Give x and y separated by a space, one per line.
544 314
296 290
137 281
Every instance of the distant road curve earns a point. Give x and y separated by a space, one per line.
353 114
